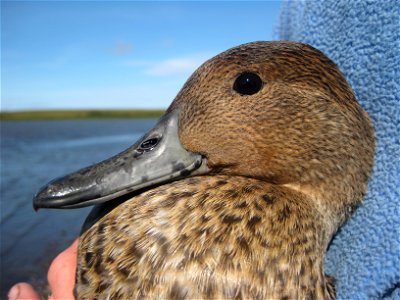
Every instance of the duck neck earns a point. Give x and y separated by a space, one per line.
297 234
333 198
274 234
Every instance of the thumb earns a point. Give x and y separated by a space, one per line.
61 275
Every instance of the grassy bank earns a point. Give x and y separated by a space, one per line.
80 114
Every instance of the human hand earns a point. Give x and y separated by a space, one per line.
61 277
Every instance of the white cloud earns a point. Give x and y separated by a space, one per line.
176 66
173 66
122 48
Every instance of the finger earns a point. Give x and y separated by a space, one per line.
61 275
23 291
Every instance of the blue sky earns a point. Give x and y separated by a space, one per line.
105 55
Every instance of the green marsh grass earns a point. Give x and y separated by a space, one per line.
80 114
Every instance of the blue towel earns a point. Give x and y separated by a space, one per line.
362 37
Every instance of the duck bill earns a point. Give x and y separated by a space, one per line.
158 157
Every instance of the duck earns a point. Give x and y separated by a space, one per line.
236 192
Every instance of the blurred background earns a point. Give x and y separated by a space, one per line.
71 55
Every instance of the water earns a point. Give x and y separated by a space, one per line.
32 153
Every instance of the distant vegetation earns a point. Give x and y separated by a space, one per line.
80 114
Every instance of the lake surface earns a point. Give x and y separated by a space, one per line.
32 153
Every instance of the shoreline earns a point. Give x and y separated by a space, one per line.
81 114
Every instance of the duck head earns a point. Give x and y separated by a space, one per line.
276 111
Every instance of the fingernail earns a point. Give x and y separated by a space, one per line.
13 294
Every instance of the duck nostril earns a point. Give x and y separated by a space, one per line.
149 144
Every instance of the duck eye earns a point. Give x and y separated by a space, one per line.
149 144
247 83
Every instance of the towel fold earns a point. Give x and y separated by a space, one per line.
362 37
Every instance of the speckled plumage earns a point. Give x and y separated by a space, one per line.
288 166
